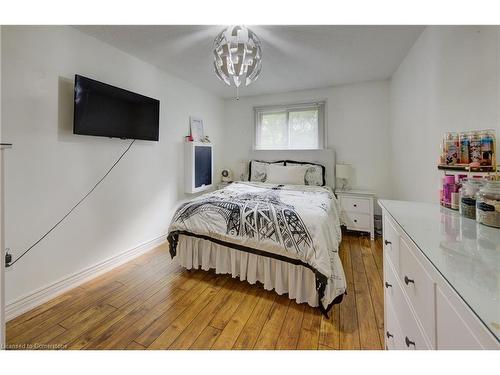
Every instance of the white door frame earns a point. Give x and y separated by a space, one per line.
2 261
2 256
3 147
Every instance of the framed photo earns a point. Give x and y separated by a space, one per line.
196 128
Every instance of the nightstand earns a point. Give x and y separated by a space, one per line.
357 207
223 184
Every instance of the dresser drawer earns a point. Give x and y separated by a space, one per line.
419 287
410 335
391 287
357 221
391 242
356 204
447 322
413 337
456 326
393 335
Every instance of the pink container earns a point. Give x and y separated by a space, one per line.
449 179
448 189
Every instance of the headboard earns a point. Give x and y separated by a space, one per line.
325 157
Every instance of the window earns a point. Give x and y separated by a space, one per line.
290 127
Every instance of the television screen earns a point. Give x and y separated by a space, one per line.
108 111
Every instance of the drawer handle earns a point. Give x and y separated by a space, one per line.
355 221
409 342
387 242
408 281
387 285
388 334
355 205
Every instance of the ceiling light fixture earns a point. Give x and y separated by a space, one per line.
237 56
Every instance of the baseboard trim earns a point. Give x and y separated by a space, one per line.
42 295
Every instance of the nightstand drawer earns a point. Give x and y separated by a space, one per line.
358 221
223 184
355 204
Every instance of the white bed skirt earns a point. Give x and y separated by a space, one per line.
298 281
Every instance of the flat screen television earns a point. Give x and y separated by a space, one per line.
108 111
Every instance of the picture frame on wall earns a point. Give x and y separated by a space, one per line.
196 128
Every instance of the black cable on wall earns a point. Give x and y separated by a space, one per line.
8 257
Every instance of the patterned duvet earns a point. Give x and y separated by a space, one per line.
295 224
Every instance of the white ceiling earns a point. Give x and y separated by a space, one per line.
294 57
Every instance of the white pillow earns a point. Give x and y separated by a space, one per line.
315 174
258 170
291 175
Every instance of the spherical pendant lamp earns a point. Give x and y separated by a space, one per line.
237 56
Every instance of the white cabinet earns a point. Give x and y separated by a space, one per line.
421 309
357 207
199 170
390 241
418 286
403 329
453 313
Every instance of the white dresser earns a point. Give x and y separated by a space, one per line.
441 279
357 210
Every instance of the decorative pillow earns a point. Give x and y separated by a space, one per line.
257 170
291 175
315 174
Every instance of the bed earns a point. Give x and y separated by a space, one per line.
284 236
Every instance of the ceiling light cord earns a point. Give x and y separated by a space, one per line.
8 257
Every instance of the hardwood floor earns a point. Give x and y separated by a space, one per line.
139 306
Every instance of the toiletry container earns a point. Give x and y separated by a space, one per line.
475 147
468 192
464 148
452 148
448 189
487 147
488 204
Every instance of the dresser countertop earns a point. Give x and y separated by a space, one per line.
465 253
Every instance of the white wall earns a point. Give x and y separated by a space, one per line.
449 81
50 168
357 119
